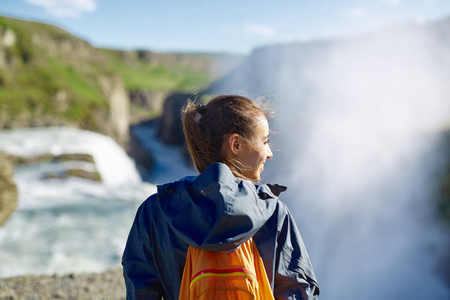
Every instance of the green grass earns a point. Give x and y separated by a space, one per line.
159 77
73 80
36 72
36 85
32 79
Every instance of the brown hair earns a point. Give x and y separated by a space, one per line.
207 126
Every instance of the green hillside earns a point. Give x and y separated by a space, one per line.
32 74
50 77
139 74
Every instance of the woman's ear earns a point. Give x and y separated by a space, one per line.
234 144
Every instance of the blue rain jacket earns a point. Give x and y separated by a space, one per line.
214 211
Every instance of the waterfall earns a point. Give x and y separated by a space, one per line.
355 142
69 224
110 159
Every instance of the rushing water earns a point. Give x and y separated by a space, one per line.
73 224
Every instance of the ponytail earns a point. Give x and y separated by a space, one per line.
207 126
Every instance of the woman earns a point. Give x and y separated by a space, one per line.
218 210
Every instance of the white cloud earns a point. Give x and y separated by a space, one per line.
261 30
356 12
66 8
392 2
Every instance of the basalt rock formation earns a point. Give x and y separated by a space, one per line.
170 129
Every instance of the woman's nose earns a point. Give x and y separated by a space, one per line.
269 152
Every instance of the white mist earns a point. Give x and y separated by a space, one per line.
355 146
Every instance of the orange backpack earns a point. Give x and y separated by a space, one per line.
218 275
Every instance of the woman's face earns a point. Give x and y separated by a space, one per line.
254 154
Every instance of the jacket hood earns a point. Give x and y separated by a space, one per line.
216 211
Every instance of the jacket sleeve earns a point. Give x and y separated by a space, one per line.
141 277
294 275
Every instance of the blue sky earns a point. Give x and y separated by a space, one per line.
223 26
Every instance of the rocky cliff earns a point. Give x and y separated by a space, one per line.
8 189
119 107
169 127
50 77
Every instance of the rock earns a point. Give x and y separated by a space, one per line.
169 127
119 107
8 189
7 294
215 65
140 154
20 160
144 104
94 176
61 100
3 61
7 38
75 157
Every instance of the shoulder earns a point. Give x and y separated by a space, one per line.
146 211
147 204
273 191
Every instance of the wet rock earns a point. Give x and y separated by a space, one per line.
140 154
21 160
75 157
94 176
